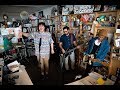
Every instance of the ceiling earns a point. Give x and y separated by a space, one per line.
15 10
33 8
37 6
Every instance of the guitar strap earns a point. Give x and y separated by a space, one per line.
71 38
71 46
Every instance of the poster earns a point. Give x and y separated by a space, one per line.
78 9
10 30
4 31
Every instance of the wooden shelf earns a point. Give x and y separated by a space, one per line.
89 23
114 61
114 64
117 53
106 11
118 34
114 47
103 27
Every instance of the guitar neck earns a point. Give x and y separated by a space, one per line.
96 60
71 50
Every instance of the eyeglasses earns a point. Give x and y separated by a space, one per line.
65 31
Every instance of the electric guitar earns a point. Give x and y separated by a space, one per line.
69 51
90 60
63 56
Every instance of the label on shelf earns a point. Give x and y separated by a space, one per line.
117 42
117 30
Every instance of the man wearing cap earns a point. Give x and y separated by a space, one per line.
98 47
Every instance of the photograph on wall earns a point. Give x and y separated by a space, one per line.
117 42
97 7
10 30
40 14
4 31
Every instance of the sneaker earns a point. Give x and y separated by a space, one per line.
42 77
46 76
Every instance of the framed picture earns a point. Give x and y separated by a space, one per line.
40 15
97 7
117 42
34 14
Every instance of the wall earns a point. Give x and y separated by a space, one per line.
48 10
14 11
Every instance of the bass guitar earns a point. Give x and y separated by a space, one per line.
69 51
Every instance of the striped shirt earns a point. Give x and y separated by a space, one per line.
46 40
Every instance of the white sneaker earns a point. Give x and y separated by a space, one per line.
78 77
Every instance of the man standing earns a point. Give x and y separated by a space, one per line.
68 41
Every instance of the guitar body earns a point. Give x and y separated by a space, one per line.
68 52
90 59
87 59
102 62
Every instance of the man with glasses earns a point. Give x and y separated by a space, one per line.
68 41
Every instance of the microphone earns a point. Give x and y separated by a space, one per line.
40 43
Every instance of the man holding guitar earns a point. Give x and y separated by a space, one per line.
67 44
98 47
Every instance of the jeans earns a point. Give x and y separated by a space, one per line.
72 58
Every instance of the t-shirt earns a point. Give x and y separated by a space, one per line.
46 40
66 40
95 47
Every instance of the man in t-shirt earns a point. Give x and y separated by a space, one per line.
68 41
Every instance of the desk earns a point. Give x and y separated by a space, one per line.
24 78
1 70
91 80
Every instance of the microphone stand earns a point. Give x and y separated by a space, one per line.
39 49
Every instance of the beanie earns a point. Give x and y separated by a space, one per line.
103 32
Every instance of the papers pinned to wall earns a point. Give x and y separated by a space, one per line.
78 9
4 31
7 31
10 30
15 31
